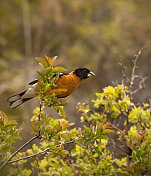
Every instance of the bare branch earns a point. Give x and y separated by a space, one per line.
114 127
125 79
134 76
29 156
119 166
42 152
39 118
141 84
24 145
70 163
37 164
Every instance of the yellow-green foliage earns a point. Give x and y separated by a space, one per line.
87 150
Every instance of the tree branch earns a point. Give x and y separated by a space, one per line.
39 118
44 151
114 127
24 145
119 166
29 156
134 76
141 84
70 163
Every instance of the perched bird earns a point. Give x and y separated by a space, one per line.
66 84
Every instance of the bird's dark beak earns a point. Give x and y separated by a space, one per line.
91 74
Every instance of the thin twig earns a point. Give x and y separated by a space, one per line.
131 81
114 127
69 161
126 125
134 69
119 166
134 76
124 70
140 86
37 164
29 156
44 151
39 118
24 145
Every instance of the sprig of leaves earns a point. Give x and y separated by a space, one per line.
48 79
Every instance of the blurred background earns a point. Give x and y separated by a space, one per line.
97 34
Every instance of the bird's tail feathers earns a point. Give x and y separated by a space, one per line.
16 97
17 100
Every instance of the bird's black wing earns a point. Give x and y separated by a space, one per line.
33 82
61 74
36 80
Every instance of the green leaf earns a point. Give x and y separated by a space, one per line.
108 131
48 70
59 69
60 111
41 74
81 141
95 155
10 123
87 129
64 124
36 111
63 102
3 117
35 147
145 153
42 61
99 95
87 141
32 124
47 87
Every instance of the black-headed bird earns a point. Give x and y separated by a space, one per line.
66 84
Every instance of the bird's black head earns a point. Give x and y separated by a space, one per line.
83 73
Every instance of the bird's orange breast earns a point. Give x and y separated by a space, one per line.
66 84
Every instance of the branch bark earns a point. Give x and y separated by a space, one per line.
44 151
134 76
24 145
29 156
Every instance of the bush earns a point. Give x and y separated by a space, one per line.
115 138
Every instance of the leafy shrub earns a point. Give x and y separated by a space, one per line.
91 150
